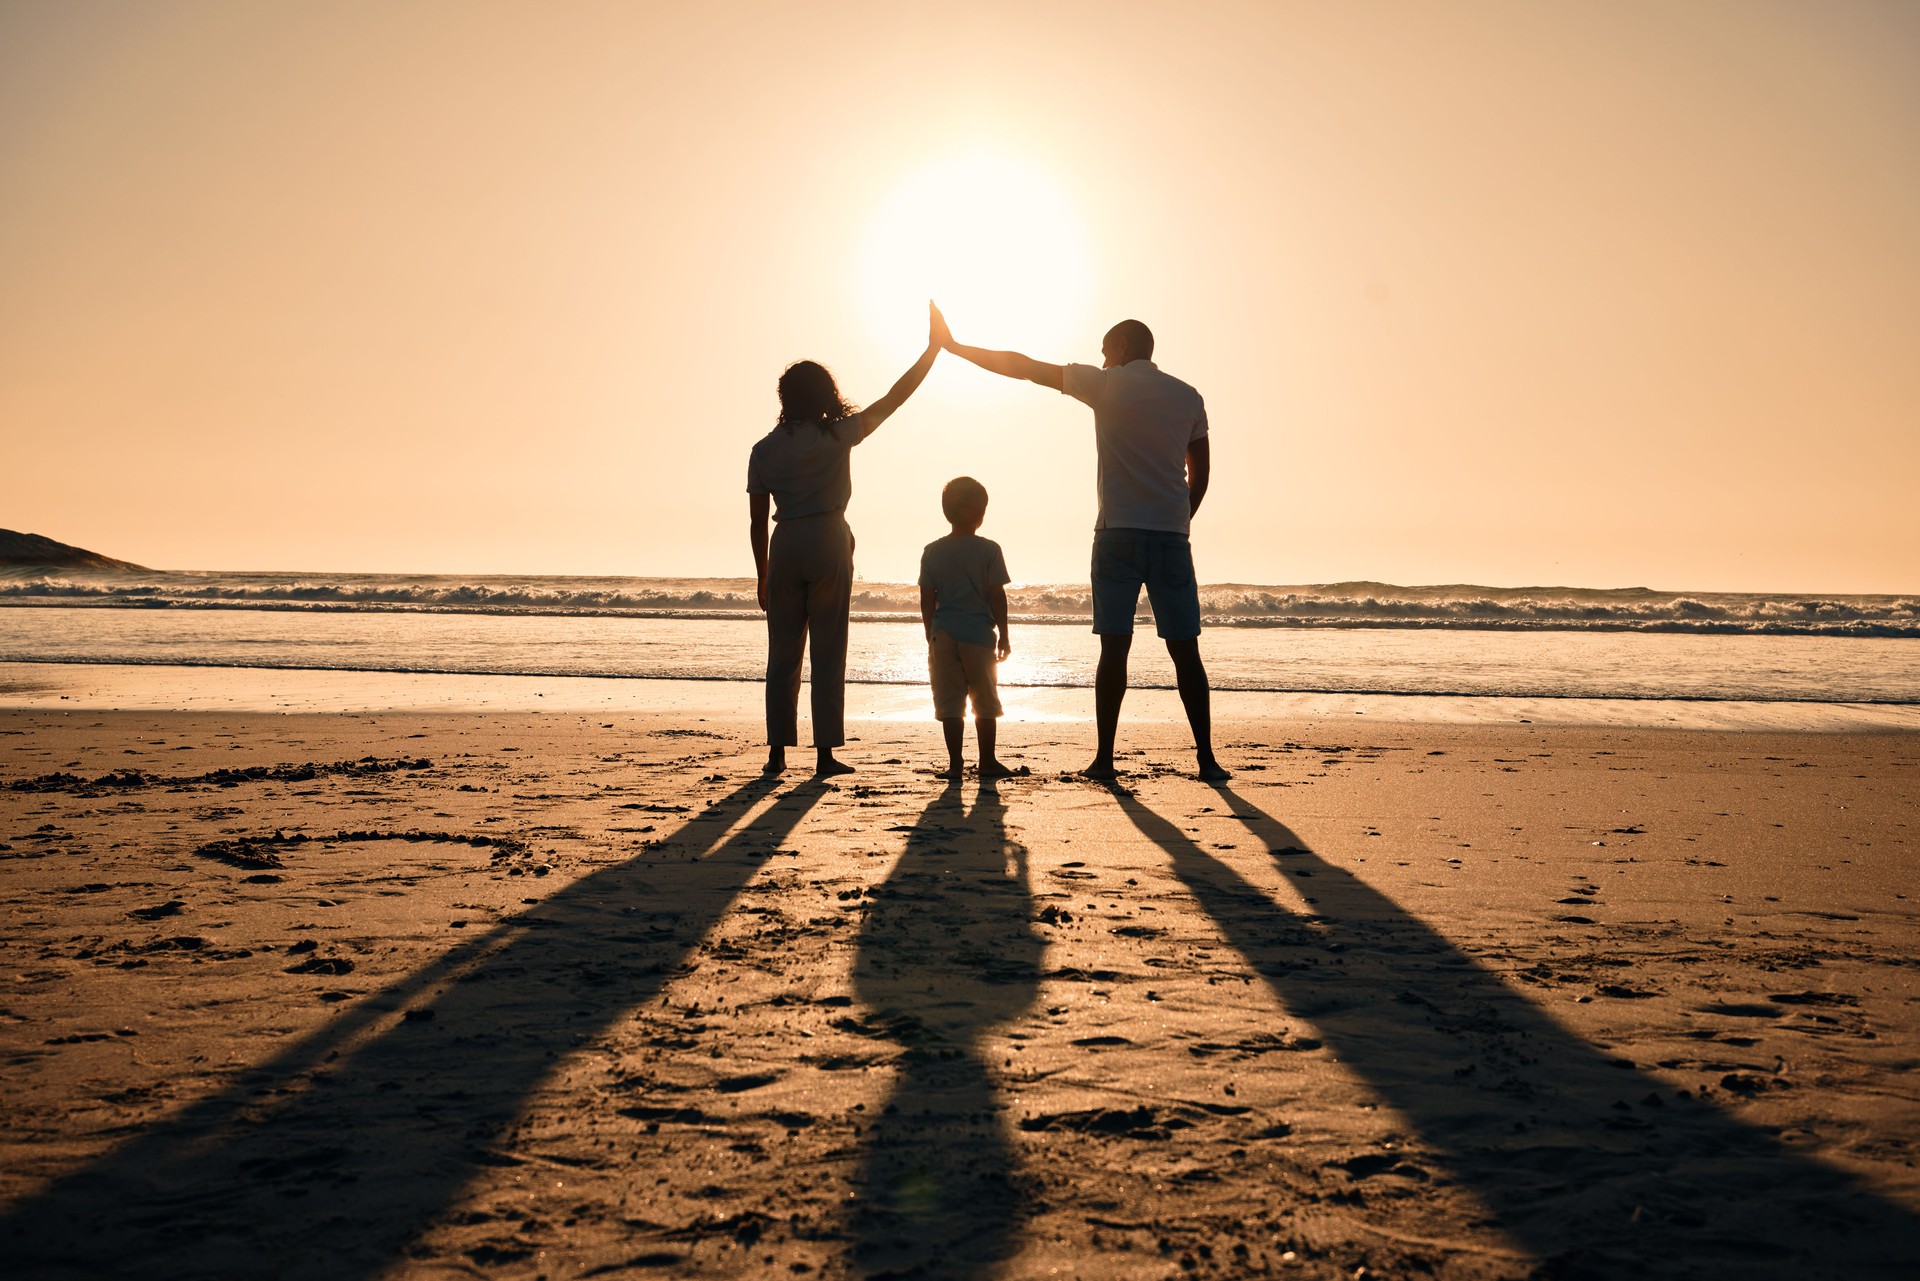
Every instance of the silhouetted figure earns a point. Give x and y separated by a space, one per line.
963 602
802 471
1150 434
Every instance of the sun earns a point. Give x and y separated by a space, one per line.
994 241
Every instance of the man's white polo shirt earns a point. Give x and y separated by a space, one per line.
1143 421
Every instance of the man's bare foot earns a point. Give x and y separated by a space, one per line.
1102 769
1212 771
952 773
994 769
827 766
776 761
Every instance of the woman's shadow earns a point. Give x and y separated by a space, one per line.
329 1158
1586 1161
947 954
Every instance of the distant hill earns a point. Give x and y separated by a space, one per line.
33 551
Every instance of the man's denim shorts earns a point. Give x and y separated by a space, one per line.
1124 561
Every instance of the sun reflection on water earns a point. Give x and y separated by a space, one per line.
1043 658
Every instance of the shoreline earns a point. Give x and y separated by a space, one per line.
181 687
1861 629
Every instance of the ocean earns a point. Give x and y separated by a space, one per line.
1359 638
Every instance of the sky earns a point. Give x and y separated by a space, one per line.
1598 294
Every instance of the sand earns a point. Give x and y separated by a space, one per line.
578 994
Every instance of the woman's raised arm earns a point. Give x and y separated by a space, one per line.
882 409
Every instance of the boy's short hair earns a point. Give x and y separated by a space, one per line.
963 495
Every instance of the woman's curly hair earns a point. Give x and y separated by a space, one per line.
808 394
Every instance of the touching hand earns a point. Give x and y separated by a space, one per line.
1005 646
938 335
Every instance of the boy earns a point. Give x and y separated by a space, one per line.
963 601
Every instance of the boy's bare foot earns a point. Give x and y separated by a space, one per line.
827 766
1102 769
1212 771
994 769
776 761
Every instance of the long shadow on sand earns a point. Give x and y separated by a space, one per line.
1596 1168
330 1158
947 953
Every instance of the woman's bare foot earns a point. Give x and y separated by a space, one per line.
826 766
776 761
991 768
1102 769
953 773
1212 771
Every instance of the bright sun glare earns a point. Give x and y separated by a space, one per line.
994 241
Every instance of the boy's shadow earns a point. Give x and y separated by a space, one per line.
1585 1160
948 953
330 1158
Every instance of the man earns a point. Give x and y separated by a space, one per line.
1150 435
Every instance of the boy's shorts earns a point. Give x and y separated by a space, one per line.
1124 560
958 669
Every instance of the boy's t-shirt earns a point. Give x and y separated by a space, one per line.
960 568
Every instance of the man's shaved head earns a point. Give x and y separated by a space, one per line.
1128 340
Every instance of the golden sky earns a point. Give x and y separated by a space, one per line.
1601 293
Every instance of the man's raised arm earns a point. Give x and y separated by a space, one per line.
1008 364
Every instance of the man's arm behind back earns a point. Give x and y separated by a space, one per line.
1199 473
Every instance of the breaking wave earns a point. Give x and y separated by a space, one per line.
1358 604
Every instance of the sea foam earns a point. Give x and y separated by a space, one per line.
1356 604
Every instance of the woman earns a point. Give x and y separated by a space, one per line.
801 470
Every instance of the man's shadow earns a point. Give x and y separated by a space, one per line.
947 954
330 1158
1586 1161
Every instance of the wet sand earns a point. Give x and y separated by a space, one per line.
577 993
